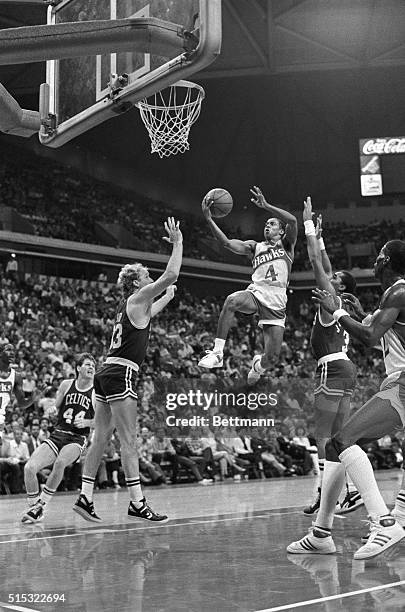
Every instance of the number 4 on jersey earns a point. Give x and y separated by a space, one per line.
271 273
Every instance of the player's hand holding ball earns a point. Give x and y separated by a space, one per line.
174 235
217 202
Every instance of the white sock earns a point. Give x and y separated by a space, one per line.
400 502
361 472
219 345
88 487
333 481
350 486
33 498
46 495
320 474
135 491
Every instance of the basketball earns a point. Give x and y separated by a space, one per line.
223 202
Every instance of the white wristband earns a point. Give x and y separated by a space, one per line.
322 244
309 228
340 312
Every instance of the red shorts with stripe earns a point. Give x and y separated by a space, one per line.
58 439
115 382
336 378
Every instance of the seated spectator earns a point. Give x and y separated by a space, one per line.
301 439
44 432
14 455
263 449
113 461
162 450
242 447
152 470
299 454
33 440
196 465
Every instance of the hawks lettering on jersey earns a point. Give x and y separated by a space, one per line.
6 388
271 265
75 404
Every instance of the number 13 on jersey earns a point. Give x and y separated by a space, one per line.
116 338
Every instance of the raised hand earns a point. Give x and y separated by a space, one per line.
307 213
172 228
323 298
258 197
170 291
354 303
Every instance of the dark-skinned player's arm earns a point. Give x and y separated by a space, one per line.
19 394
240 247
291 229
381 322
159 304
314 251
171 274
327 266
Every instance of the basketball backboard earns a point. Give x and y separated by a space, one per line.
81 92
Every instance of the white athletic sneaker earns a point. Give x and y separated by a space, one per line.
205 481
310 544
384 533
253 375
212 359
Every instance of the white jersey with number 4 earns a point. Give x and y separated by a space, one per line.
6 388
271 274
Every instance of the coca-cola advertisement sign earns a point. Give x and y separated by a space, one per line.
382 146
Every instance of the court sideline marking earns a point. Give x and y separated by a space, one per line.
101 530
333 597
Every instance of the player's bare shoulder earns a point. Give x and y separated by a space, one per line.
394 297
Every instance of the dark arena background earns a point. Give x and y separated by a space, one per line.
298 89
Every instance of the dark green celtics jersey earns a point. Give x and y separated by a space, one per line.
328 338
128 342
75 403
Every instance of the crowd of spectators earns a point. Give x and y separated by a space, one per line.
60 201
49 320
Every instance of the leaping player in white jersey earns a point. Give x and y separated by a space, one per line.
267 294
381 415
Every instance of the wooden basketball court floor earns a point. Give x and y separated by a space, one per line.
223 550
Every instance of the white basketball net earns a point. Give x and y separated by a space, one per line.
168 116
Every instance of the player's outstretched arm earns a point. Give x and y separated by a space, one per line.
159 304
327 266
314 251
381 322
171 274
240 247
291 230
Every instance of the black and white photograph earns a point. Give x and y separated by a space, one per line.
202 305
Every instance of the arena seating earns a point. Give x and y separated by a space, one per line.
60 201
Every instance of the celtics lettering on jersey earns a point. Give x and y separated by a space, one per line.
328 338
75 404
271 265
127 341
